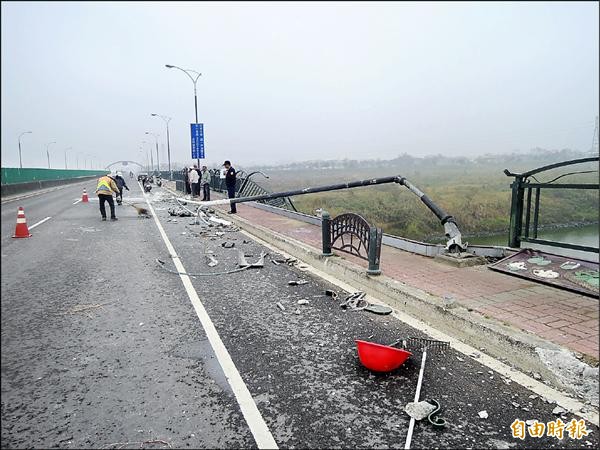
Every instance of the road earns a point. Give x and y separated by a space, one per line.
104 348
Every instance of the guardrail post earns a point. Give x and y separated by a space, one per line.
516 213
374 251
326 232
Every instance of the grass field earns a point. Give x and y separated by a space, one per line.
477 194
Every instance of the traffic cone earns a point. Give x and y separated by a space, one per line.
21 231
84 197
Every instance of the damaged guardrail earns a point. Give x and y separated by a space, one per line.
454 243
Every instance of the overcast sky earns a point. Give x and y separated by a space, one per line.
289 81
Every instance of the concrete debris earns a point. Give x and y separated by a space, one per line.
280 306
483 414
530 422
228 244
180 212
460 359
211 261
559 410
574 374
516 405
537 376
533 396
297 282
330 293
303 302
219 221
297 312
419 410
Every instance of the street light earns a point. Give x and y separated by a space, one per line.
48 153
194 80
155 140
147 161
20 161
151 159
166 120
68 148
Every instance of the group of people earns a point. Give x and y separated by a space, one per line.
197 180
104 190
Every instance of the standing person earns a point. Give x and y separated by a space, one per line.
194 178
104 191
120 181
130 175
205 183
230 183
198 188
186 180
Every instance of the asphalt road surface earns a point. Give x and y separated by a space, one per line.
102 347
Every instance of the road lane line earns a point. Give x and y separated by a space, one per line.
258 427
39 223
76 201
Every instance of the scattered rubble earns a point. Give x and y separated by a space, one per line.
419 410
297 282
483 414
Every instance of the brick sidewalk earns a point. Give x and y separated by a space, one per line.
557 315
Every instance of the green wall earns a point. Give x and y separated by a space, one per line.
14 175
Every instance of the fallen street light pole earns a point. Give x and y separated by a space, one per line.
451 230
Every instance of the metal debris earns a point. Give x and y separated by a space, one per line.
297 282
355 302
280 306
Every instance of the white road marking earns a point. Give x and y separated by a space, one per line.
39 223
256 423
76 201
574 406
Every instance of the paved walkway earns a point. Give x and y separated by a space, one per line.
557 315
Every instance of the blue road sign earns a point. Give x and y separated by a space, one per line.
197 130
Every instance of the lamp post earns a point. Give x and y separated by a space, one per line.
194 80
151 167
48 152
20 161
155 140
68 148
167 120
147 162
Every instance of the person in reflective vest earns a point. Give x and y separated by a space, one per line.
104 191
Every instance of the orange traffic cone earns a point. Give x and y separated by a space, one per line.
21 231
84 197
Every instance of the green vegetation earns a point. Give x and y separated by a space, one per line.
475 192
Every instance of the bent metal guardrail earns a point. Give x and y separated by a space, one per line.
454 243
518 233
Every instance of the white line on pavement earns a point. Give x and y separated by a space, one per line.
76 201
256 423
39 223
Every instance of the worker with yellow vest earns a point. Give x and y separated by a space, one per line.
104 191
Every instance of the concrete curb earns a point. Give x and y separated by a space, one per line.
504 342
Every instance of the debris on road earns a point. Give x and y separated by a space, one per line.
355 302
419 410
559 410
212 261
379 309
228 244
297 282
483 414
280 306
179 212
303 302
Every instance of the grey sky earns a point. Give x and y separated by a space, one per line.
294 81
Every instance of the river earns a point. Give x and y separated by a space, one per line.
586 235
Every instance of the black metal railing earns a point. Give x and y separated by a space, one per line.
521 204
